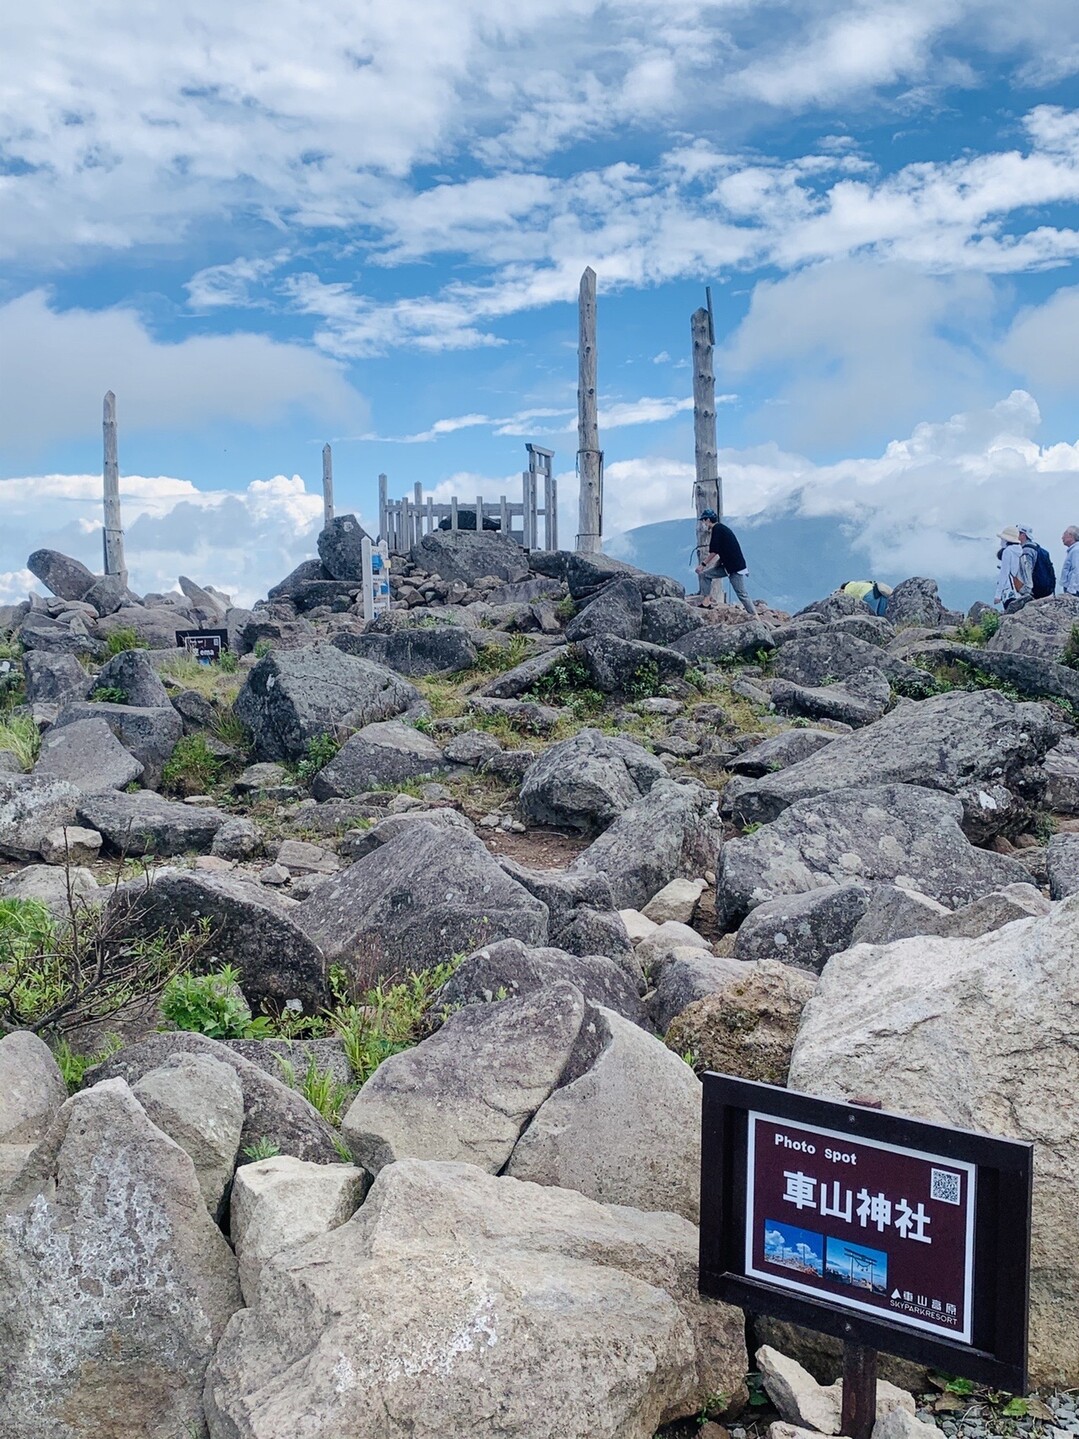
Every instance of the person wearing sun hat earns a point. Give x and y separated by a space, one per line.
1015 569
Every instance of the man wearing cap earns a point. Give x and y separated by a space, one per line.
1043 577
725 560
1014 572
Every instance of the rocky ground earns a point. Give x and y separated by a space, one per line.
354 988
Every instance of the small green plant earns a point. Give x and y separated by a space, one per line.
320 749
212 1004
320 1087
192 768
261 1149
569 682
979 631
228 662
697 679
496 659
74 1066
109 695
751 828
388 1019
758 1397
19 735
230 729
1043 829
344 1154
262 649
645 682
124 639
565 609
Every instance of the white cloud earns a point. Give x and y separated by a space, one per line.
241 542
612 415
1043 342
55 366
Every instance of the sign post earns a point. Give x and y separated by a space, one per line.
886 1232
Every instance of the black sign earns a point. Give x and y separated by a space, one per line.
883 1231
205 645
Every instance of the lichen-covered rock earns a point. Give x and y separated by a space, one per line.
32 1089
115 1284
197 1101
376 757
748 1027
587 781
31 806
88 756
945 1029
489 1261
803 930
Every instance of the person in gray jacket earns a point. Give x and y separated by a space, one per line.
1069 573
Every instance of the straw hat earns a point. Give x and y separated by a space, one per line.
1010 535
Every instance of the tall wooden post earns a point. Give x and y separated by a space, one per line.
114 525
589 455
327 487
859 1391
705 454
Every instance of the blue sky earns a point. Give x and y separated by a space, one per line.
268 226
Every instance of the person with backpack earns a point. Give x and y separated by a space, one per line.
1014 571
873 594
725 560
1043 577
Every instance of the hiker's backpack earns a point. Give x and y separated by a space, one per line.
1043 580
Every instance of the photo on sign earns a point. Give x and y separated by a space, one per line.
799 1249
857 1266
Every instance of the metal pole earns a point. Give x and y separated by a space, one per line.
327 487
589 455
859 1391
114 525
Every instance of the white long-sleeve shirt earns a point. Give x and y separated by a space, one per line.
1069 575
1014 561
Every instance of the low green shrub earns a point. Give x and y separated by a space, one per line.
320 749
124 639
212 1004
192 768
20 736
109 695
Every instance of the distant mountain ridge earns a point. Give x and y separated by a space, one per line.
793 559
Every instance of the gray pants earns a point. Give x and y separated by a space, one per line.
738 585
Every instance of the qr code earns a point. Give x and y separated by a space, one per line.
944 1185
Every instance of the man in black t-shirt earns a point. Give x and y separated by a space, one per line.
725 561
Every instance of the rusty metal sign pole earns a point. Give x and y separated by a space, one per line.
859 1391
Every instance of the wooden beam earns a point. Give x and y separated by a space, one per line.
589 456
705 453
115 563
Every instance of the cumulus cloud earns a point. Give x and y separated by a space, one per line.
56 364
241 542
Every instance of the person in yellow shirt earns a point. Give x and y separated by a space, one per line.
872 593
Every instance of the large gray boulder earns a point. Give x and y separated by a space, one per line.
1041 630
30 807
272 1111
108 594
1061 767
197 1101
665 620
133 672
625 667
150 734
434 650
748 1026
467 1092
468 555
53 679
279 1204
58 889
673 831
67 578
880 834
39 631
686 974
722 642
829 654
803 930
969 744
144 823
115 1283
488 1260
615 610
87 755
305 573
1062 861
340 548
32 1089
945 1029
293 695
917 602
376 757
622 1127
780 752
509 969
249 927
585 782
417 900
857 701
155 625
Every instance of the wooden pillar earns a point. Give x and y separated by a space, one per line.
479 513
589 456
550 511
705 455
327 487
115 563
859 1391
453 512
504 520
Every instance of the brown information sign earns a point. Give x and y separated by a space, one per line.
883 1231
